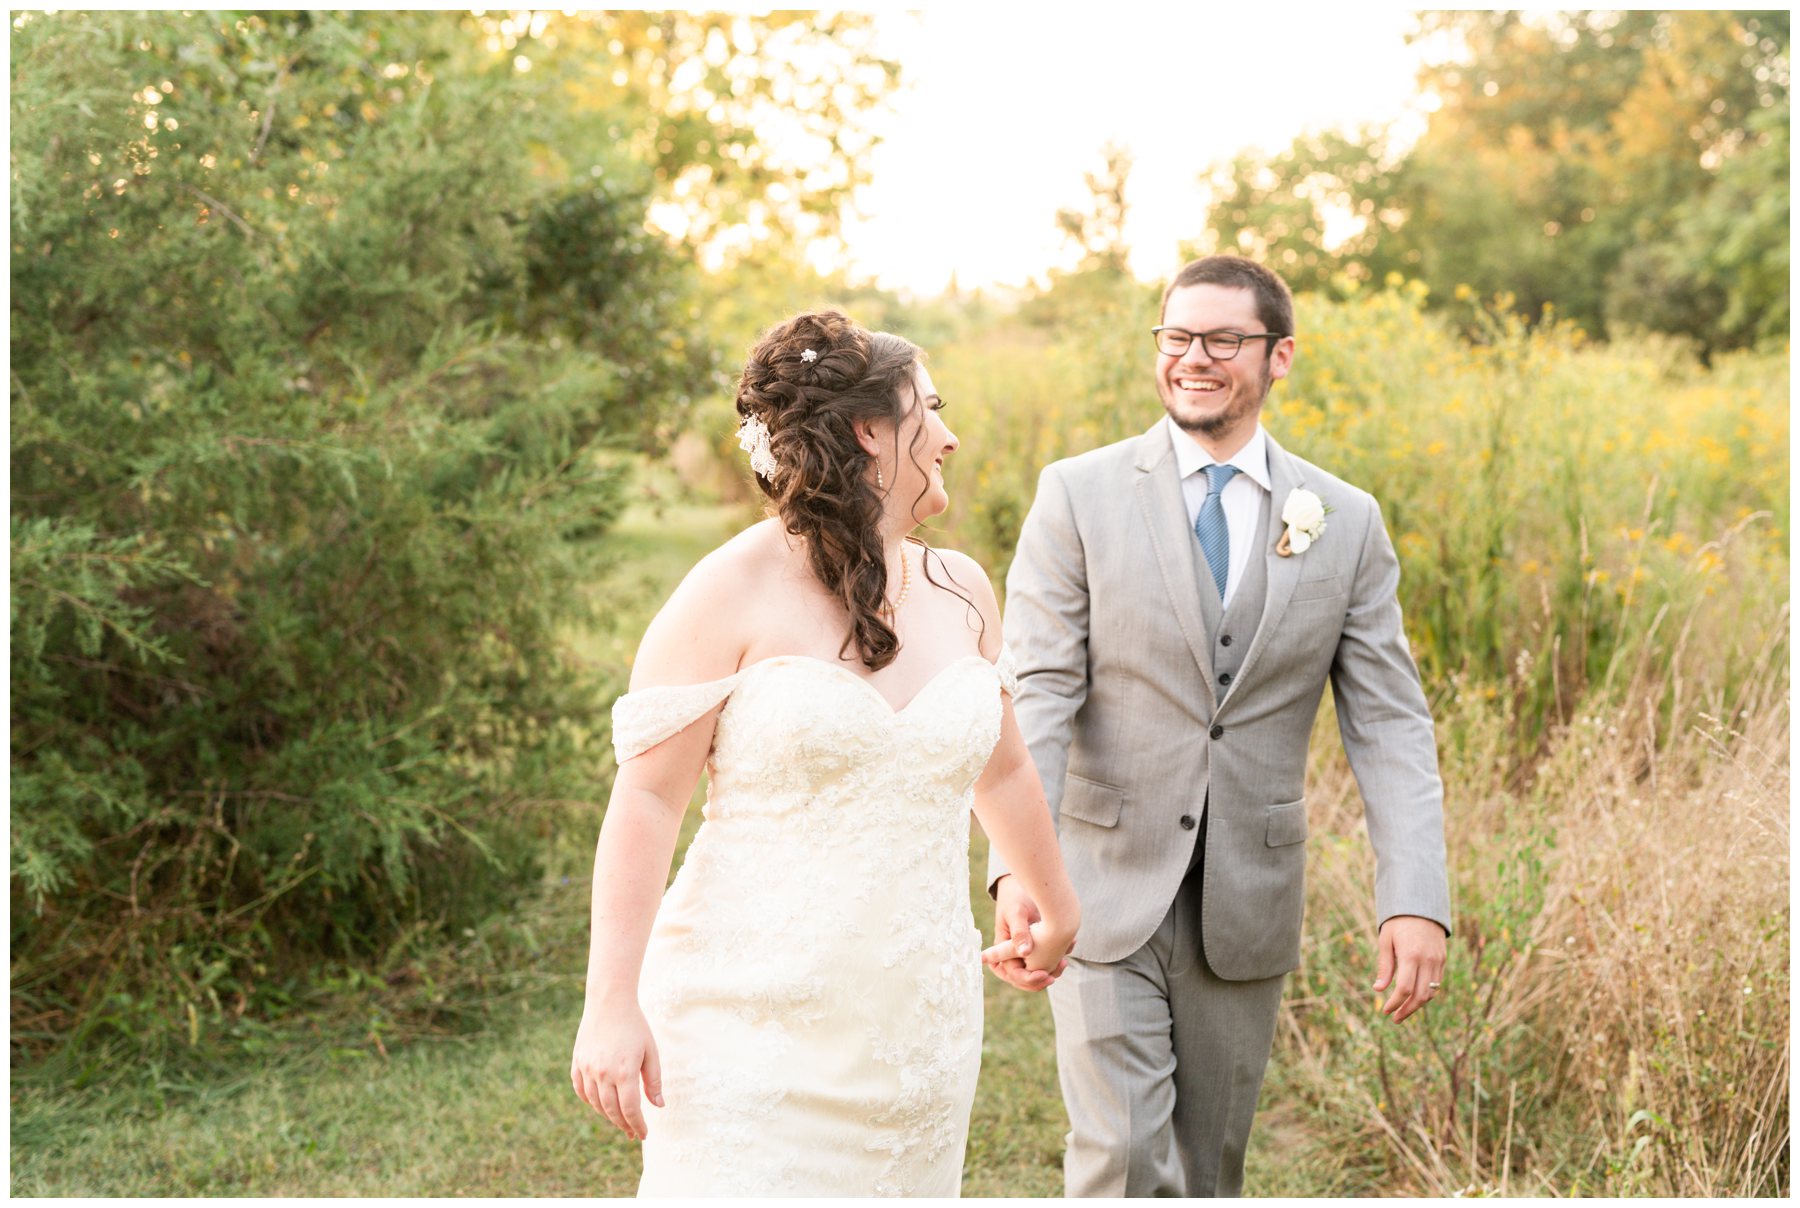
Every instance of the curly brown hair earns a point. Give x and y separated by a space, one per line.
821 490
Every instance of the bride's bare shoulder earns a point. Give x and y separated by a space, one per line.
971 580
751 561
703 630
966 569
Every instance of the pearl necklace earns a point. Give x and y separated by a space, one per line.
905 584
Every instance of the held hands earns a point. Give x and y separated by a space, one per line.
613 1050
1410 958
1026 954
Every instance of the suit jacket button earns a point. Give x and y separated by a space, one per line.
1187 822
1226 640
1217 731
1225 677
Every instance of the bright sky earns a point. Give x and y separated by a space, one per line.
1002 110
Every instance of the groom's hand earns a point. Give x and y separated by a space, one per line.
1014 913
1410 957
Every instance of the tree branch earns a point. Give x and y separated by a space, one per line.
220 206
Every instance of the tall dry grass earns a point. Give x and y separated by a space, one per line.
1615 1017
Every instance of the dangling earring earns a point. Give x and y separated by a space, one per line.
879 484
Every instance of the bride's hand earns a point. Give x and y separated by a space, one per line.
1014 913
613 1050
1049 946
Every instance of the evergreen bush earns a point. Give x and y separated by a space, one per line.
313 367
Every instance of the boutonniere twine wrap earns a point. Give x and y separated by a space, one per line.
753 438
1304 515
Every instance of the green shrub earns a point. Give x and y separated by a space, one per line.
310 366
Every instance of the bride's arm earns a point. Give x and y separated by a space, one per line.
1010 804
688 642
1009 801
614 1048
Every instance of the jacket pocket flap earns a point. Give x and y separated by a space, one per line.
1091 801
1318 589
1287 824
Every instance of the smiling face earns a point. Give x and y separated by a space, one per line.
1215 401
925 440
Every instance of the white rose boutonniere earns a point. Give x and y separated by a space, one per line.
1304 514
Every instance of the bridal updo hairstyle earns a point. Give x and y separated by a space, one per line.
823 489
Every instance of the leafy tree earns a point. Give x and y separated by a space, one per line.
1092 303
1099 233
1589 161
751 128
1723 270
1291 211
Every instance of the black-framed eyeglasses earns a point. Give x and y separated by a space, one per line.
1219 345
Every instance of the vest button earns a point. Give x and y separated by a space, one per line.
1187 822
1217 731
1226 640
1225 677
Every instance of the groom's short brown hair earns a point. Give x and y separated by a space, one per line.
1274 304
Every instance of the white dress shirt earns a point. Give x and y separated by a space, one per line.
1242 498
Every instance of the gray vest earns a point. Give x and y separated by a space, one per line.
1239 622
1231 629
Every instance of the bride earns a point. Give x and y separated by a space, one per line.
803 1010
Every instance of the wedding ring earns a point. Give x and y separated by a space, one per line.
1434 985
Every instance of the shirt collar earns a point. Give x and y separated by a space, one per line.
1252 459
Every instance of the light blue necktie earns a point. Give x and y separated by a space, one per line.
1209 526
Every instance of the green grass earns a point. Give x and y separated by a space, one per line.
489 1114
486 1115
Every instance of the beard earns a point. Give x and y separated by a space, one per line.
1237 408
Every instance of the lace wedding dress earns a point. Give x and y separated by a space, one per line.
813 979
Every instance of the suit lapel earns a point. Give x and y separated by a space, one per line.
1284 573
1158 492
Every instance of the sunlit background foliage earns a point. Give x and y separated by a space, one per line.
1628 168
370 387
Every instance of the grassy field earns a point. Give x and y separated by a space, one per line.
1594 543
488 1112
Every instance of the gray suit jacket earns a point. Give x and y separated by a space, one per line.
1118 705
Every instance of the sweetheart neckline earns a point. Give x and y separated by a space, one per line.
845 671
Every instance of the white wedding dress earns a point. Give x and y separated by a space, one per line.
813 979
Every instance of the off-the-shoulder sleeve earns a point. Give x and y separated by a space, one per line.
644 718
1008 670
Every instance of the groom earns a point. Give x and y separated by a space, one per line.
1173 638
